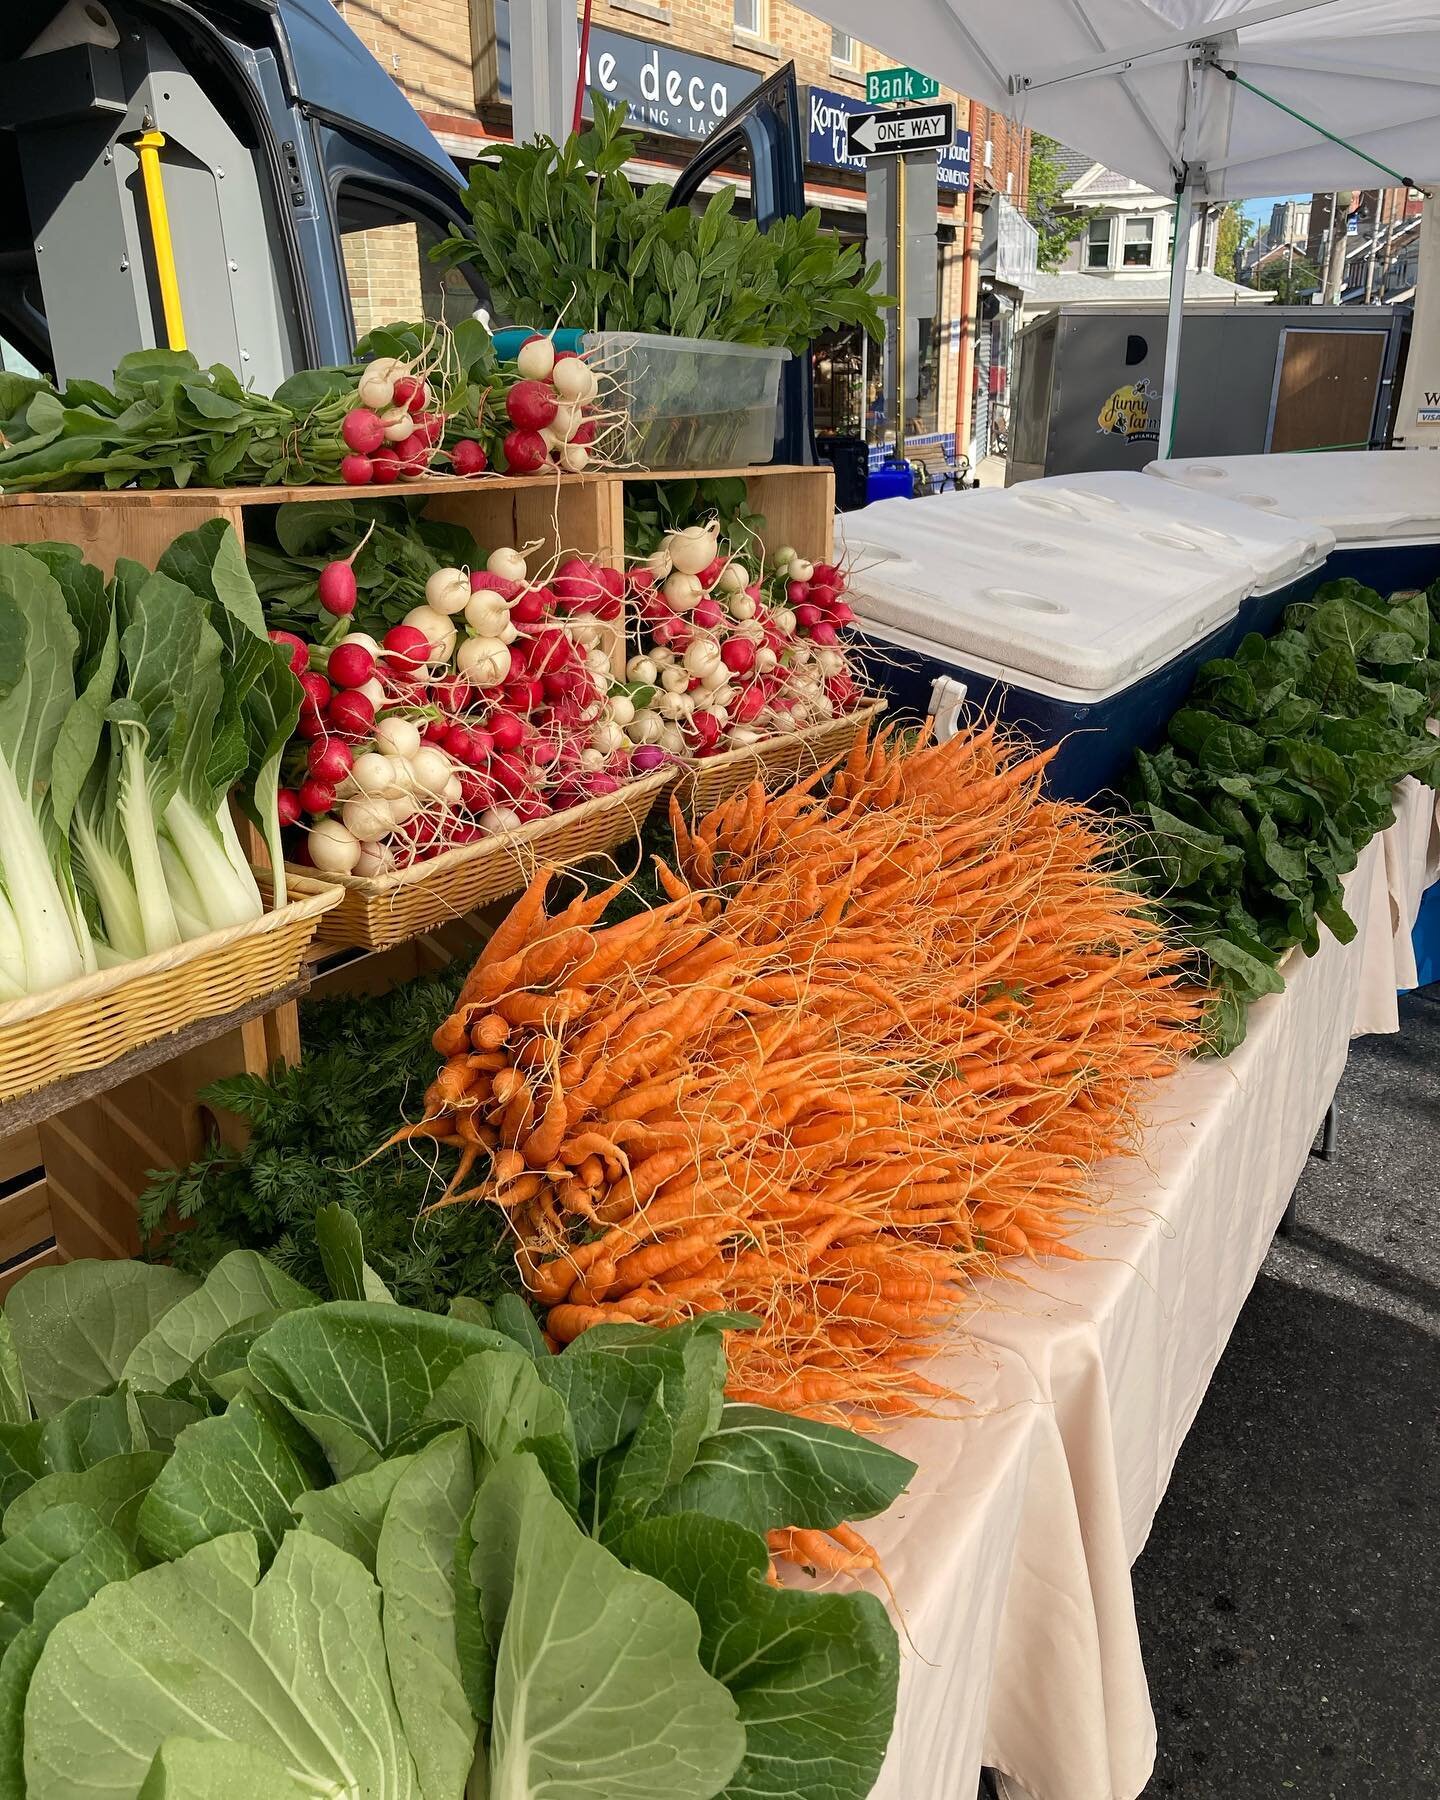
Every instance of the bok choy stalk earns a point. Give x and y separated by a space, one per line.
260 683
47 740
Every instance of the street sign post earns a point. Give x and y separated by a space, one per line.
883 87
892 134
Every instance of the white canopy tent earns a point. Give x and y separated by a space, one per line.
1213 99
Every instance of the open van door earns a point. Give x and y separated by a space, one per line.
762 134
293 173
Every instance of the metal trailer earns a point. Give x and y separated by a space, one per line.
1088 387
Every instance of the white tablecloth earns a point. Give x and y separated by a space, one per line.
1011 1558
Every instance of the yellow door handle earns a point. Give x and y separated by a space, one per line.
148 147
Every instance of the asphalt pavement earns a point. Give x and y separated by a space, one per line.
1288 1597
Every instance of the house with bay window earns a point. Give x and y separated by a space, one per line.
1122 254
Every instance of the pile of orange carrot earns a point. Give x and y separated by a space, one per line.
879 1035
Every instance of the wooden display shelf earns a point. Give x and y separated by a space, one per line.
568 512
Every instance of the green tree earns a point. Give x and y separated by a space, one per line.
1058 225
1232 234
1289 280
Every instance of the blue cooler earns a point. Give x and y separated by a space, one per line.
1069 629
1383 506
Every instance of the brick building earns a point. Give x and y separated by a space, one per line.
681 64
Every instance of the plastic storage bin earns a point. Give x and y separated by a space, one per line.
693 403
1382 505
1286 557
893 480
1073 632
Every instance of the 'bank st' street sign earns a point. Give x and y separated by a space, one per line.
883 87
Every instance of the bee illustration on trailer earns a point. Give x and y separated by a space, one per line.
1132 412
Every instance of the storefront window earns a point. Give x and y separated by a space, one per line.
1097 244
1139 243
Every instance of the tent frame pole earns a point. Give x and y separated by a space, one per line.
1175 317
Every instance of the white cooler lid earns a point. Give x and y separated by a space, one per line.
1276 549
1363 496
1061 602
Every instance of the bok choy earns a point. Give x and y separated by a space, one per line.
129 713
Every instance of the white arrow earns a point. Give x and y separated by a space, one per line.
866 134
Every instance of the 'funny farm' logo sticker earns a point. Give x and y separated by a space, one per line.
1132 413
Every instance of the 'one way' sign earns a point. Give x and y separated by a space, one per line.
893 133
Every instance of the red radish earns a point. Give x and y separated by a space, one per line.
463 744
506 731
475 791
430 427
336 588
707 727
641 580
298 648
825 633
329 761
530 608
584 432
385 466
411 393
823 595
828 575
351 714
362 430
414 454
484 744
738 655
711 573
797 592
502 585
649 757
316 690
524 452
543 752
807 616
523 696
357 471
842 613
467 458
316 796
747 704
434 732
530 810
532 405
310 724
406 645
707 615
453 694
350 665
288 807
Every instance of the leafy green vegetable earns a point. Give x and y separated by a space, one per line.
558 1608
75 1326
314 1136
560 232
814 1675
490 1569
301 1677
1277 773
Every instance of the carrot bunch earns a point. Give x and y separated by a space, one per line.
876 1039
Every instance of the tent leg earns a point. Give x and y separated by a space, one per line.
1175 320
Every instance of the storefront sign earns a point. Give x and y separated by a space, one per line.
668 91
829 113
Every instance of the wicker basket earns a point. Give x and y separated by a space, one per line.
777 761
88 1023
381 910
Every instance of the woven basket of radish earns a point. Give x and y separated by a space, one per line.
740 672
377 911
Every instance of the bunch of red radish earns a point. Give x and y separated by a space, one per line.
551 410
487 708
727 668
395 430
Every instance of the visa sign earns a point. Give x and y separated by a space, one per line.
828 113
